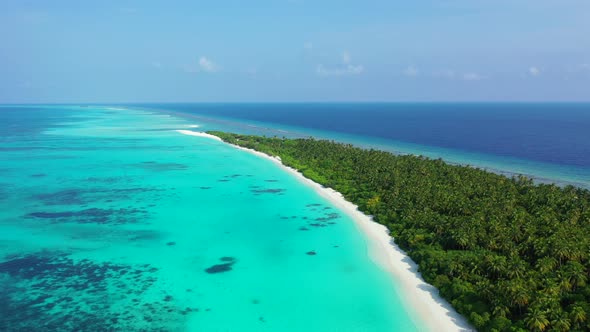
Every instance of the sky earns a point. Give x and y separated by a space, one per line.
117 51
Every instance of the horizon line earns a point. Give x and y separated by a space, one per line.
298 102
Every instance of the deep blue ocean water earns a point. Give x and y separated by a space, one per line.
555 133
549 141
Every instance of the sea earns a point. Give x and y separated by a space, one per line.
549 142
112 220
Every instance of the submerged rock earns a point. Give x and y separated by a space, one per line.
219 268
268 191
224 267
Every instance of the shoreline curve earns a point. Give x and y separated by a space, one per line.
427 308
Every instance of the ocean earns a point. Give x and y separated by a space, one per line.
549 141
112 220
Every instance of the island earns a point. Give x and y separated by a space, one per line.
507 253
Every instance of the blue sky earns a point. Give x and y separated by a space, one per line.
294 50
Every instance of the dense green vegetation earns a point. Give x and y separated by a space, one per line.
508 254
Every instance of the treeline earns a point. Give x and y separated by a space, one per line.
508 254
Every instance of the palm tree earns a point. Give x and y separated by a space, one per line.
577 314
562 323
500 311
546 264
575 273
536 320
495 265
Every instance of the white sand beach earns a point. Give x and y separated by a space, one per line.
200 134
428 309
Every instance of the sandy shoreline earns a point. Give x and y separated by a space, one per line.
199 134
430 311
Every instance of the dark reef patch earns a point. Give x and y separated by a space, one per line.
94 216
324 221
63 197
271 180
171 244
205 188
143 235
158 166
219 268
223 267
110 179
78 196
329 216
50 291
38 175
268 191
311 253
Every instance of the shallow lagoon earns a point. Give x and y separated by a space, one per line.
112 220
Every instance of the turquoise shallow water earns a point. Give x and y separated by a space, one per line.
110 219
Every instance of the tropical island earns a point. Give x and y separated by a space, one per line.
507 253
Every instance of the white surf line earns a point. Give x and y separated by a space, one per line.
430 311
199 134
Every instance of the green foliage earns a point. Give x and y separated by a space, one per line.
506 253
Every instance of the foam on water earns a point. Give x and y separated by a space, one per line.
110 219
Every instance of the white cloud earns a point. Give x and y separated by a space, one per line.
411 71
252 71
445 73
346 58
450 74
342 69
207 65
534 71
204 64
472 77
